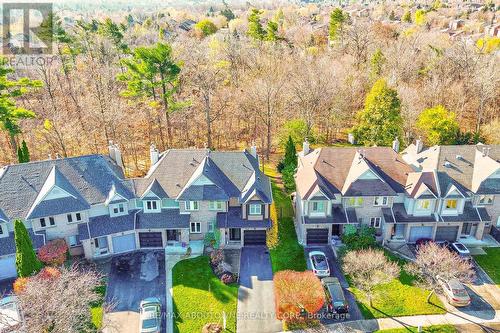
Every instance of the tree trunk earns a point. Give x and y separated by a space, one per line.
208 120
429 296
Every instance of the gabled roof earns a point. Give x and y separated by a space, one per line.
485 167
154 190
380 171
421 184
72 201
114 196
90 177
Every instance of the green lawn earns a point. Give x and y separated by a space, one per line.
427 329
490 262
288 254
96 309
398 298
200 297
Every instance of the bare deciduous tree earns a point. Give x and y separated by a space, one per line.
434 260
369 268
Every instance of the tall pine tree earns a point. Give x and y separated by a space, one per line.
26 261
290 153
26 152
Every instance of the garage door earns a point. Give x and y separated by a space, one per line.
420 232
8 267
254 237
124 243
447 234
150 239
316 236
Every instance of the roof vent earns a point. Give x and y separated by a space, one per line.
178 185
459 157
447 164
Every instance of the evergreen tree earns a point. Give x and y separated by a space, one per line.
407 17
377 62
272 31
337 20
290 153
26 261
227 12
392 16
26 153
255 29
380 121
20 156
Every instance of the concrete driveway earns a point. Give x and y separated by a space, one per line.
125 290
354 312
256 312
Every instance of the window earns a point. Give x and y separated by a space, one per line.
211 226
192 205
2 229
216 205
70 218
78 216
52 222
120 208
355 202
486 199
451 204
43 222
255 209
74 241
317 207
150 206
195 227
423 204
380 201
375 222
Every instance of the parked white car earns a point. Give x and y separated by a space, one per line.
150 315
11 319
319 263
455 292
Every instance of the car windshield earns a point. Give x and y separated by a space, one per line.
338 304
149 323
460 247
319 262
460 292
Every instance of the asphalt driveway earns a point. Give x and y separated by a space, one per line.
256 293
125 290
354 313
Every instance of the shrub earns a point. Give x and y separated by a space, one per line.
272 238
227 278
288 178
49 273
212 328
212 239
297 292
19 285
53 253
216 257
363 238
27 263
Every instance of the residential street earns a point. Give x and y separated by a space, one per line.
256 312
354 313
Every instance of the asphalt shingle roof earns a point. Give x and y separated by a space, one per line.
168 218
232 219
106 225
8 244
204 192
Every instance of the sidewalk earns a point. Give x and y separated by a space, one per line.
453 318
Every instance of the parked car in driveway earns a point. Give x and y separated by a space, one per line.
11 319
459 249
455 292
335 299
150 315
319 263
422 241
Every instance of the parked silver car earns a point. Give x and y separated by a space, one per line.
455 292
150 315
319 263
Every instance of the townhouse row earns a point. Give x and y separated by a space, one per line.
441 193
87 201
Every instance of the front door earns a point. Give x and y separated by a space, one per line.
336 229
101 245
172 235
466 229
235 234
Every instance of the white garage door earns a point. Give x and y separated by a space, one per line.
124 243
8 267
420 232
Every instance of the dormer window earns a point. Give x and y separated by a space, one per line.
152 206
255 209
380 201
318 207
423 204
118 209
485 200
451 204
355 202
216 205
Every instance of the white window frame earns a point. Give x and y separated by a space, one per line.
78 217
253 211
318 203
192 205
420 207
76 241
376 222
153 209
384 201
482 197
119 209
451 209
49 221
355 201
216 205
211 226
69 218
197 227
